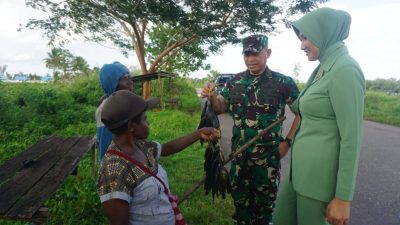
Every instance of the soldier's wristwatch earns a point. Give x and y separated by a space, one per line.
288 141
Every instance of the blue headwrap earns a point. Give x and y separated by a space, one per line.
109 76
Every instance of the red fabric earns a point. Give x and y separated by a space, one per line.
179 220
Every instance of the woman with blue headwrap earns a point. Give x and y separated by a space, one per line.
113 77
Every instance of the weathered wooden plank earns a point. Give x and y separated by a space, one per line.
49 183
26 178
14 164
40 217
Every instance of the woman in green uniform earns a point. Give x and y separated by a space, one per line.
326 147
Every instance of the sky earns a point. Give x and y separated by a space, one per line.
374 41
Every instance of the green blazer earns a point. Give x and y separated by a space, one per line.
327 143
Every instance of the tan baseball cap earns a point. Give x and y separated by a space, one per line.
123 106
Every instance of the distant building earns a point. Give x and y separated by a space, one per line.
46 78
20 77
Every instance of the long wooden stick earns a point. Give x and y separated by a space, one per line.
231 156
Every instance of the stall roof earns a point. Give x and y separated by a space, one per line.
152 76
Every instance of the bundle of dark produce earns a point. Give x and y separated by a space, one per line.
217 177
233 155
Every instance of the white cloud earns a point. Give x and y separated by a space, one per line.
97 54
374 40
21 57
8 22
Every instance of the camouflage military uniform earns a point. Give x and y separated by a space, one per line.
254 102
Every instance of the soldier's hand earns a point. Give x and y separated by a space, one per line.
208 90
209 133
283 149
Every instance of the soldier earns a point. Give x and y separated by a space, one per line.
255 98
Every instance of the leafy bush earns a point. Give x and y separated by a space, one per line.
30 111
388 85
85 90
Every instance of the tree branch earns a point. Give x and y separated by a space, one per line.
143 34
166 58
225 20
169 49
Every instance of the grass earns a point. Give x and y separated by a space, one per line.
380 107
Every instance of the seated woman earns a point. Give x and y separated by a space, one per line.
132 186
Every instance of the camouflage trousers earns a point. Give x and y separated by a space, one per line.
254 187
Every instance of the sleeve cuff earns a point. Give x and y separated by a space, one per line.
115 195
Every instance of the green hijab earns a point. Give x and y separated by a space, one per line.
324 27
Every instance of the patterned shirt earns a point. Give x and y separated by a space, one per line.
254 102
121 179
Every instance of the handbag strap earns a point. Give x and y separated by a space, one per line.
179 220
140 165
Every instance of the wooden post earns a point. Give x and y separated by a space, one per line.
94 159
146 89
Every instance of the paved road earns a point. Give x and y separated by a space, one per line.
377 197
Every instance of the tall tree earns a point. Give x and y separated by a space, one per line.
3 70
33 76
63 62
9 76
53 61
127 23
79 66
58 60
